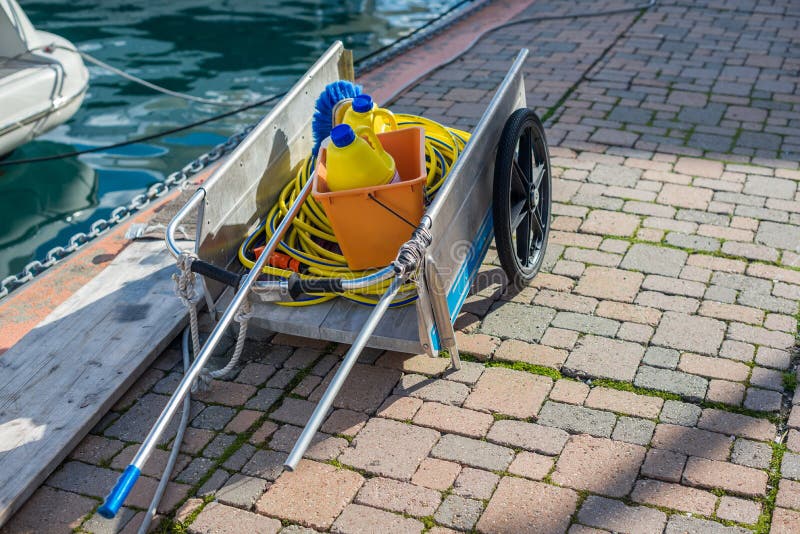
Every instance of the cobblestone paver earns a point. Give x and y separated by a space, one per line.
645 380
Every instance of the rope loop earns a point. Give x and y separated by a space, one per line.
243 315
185 288
186 280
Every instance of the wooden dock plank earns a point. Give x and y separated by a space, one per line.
59 380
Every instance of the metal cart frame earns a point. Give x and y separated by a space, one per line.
441 258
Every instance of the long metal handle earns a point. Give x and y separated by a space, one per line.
127 480
341 375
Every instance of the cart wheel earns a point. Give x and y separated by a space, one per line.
522 196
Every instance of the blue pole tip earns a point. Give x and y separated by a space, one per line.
120 492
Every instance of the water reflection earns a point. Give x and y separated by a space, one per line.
46 204
235 49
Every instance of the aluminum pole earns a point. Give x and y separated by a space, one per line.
346 366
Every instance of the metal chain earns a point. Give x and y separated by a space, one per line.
119 214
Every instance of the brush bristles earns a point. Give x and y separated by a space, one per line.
322 122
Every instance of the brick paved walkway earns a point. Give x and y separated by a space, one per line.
642 383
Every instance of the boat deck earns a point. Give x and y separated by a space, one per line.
18 65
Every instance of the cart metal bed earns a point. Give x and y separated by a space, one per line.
499 187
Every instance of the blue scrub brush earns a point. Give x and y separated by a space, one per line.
322 122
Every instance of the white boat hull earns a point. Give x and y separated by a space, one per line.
40 87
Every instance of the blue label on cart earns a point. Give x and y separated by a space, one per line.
466 273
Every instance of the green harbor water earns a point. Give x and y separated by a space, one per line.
237 50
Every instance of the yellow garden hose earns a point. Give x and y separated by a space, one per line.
310 230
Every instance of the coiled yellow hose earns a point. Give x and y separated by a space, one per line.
443 145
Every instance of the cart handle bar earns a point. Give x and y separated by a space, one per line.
209 270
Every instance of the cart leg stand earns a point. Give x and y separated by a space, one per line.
324 404
441 312
425 319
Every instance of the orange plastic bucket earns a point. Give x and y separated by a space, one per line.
368 233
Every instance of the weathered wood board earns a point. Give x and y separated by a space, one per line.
59 380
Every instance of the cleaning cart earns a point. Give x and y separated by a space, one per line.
500 186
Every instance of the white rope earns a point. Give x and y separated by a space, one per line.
185 283
243 314
145 83
138 230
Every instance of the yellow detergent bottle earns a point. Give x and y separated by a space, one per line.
352 162
363 112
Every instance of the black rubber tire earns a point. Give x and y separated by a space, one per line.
515 204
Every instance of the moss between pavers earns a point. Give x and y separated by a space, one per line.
582 496
670 512
771 417
774 477
727 522
540 370
627 386
170 526
427 521
339 465
713 253
79 529
347 438
789 381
